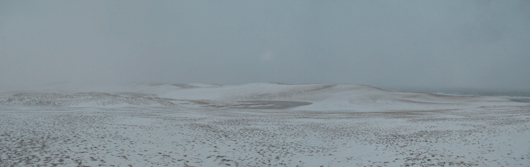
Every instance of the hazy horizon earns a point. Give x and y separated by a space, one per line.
408 44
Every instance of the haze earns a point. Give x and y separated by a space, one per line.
435 44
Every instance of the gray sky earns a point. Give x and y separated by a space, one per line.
438 44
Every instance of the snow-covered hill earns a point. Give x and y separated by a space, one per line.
336 97
317 97
84 99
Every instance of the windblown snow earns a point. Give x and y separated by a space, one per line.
260 124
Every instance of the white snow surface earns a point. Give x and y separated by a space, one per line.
327 97
320 97
260 124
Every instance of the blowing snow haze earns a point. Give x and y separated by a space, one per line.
431 44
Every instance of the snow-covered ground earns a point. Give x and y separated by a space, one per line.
261 124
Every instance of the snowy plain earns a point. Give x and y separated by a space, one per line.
260 124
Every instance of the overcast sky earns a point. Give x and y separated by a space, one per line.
438 44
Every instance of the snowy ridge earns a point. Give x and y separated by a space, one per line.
336 97
316 97
94 95
313 93
84 99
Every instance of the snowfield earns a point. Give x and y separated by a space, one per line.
261 124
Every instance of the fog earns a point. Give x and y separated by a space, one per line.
428 44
